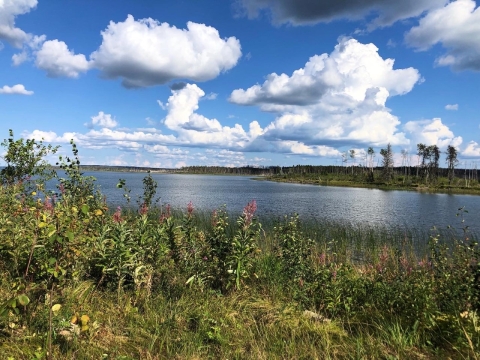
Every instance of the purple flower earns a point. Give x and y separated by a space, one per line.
249 211
117 216
190 209
165 215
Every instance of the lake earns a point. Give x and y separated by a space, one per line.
355 205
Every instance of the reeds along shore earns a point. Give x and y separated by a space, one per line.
81 280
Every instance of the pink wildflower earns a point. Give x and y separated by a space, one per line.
117 216
165 215
48 205
249 211
322 259
143 209
190 209
61 187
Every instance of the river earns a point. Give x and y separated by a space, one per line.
388 208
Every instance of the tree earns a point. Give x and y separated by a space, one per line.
452 161
434 160
24 159
387 163
371 156
404 162
352 156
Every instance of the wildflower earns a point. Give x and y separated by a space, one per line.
165 215
61 187
117 216
190 209
322 259
249 211
404 262
214 218
143 209
48 205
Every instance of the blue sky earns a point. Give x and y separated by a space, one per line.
237 82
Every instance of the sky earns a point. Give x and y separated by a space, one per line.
241 82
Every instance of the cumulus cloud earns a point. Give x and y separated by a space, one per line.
57 60
15 89
9 9
188 129
300 12
451 107
472 150
194 128
431 132
455 26
342 98
102 120
146 53
352 68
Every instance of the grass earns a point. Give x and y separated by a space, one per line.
411 183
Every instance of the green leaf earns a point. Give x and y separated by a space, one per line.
85 209
70 235
23 300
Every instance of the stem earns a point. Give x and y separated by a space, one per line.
49 355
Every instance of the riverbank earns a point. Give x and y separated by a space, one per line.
443 189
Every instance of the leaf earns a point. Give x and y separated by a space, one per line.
70 235
74 319
56 308
98 212
23 299
84 320
190 279
42 225
85 209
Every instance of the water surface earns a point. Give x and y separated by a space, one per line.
356 205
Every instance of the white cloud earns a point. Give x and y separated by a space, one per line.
335 99
196 129
211 96
228 144
57 60
9 9
32 45
455 26
15 89
146 53
431 132
102 120
472 150
351 69
19 58
299 12
451 107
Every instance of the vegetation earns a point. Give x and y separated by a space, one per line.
427 175
81 281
